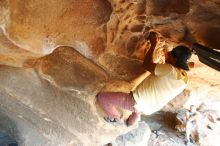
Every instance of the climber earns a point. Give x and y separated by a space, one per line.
154 91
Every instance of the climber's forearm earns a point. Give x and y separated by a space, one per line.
148 60
136 81
149 57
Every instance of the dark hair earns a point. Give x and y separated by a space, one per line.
182 54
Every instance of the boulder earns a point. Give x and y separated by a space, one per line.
56 101
56 56
136 137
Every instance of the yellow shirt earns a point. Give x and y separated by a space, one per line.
158 89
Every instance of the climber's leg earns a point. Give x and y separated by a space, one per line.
109 100
133 118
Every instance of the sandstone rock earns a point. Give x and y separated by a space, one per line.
163 133
52 97
177 21
4 13
203 22
136 137
124 33
167 7
119 67
69 70
39 26
12 55
18 129
199 124
126 28
60 117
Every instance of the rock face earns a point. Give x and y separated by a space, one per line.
56 56
177 21
40 26
60 115
135 137
118 26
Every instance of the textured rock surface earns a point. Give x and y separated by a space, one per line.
12 55
119 27
39 26
136 137
177 21
87 43
59 116
163 132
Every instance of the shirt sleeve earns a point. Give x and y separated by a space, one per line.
163 69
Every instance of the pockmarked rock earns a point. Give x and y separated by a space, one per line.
88 45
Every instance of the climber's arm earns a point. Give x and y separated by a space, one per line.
148 60
136 81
